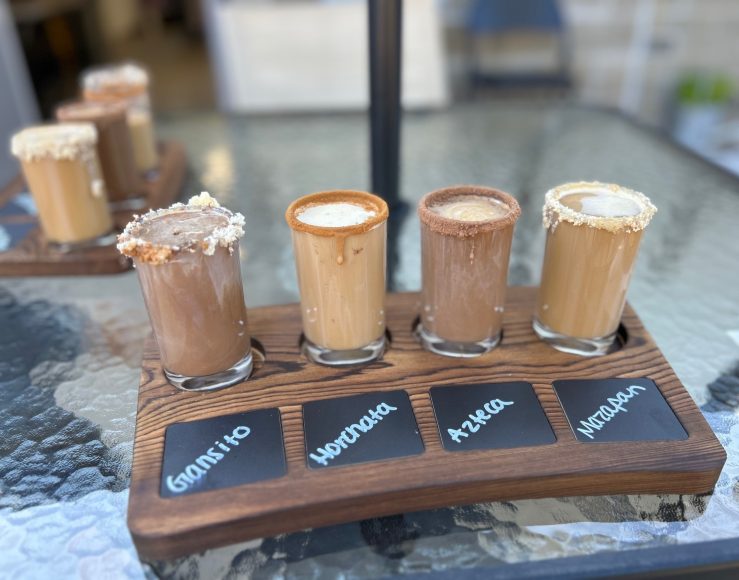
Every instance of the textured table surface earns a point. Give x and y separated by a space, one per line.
70 347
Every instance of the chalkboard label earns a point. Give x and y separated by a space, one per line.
490 416
222 452
611 410
360 429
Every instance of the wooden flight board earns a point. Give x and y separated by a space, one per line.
29 255
393 456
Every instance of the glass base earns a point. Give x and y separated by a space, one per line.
66 247
139 202
452 348
580 346
336 358
237 373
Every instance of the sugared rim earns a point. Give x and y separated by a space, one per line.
451 227
121 80
554 211
55 140
131 245
362 198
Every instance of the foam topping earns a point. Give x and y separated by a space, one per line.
334 215
604 206
471 208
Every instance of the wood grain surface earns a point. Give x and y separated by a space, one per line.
166 528
33 257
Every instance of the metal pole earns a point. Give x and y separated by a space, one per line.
384 56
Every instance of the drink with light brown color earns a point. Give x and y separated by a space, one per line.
466 235
61 167
593 236
128 83
114 147
339 240
187 258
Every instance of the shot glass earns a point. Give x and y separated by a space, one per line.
187 258
466 235
593 235
339 240
114 148
127 82
62 170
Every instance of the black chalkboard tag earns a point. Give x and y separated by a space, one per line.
610 410
359 429
490 416
222 452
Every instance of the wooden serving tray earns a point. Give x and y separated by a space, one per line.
305 498
32 256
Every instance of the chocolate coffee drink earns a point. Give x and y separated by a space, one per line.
114 147
593 236
128 83
466 235
339 239
61 167
187 257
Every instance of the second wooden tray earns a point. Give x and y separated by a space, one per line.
30 255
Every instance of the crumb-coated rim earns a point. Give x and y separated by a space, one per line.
451 227
362 198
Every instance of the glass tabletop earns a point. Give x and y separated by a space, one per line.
70 347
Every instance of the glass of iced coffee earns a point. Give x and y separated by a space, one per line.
62 170
187 258
114 147
127 82
593 235
339 240
466 235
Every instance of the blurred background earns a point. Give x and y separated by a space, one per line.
671 64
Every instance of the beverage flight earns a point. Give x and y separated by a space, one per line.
187 258
96 160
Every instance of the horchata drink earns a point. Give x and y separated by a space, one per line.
466 235
114 148
593 235
187 257
62 170
339 240
128 83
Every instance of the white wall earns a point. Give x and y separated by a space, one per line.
304 56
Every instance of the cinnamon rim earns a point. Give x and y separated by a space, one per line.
555 211
361 198
451 227
85 111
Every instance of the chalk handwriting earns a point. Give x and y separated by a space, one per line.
480 417
605 413
202 464
351 434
